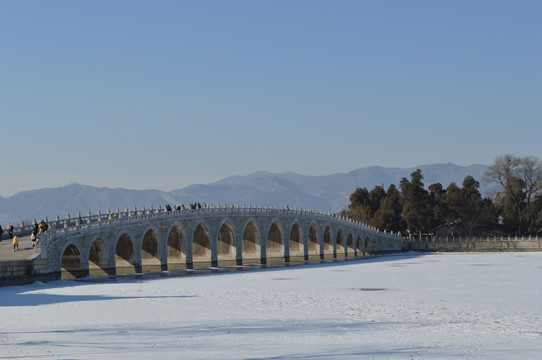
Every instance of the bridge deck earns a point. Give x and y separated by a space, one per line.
25 249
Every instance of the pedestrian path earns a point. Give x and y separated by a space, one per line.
25 249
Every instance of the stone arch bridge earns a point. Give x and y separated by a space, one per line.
158 240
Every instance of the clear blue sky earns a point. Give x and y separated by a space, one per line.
164 94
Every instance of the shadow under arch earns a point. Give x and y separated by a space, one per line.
98 259
313 247
150 252
176 249
367 247
226 250
350 251
251 253
72 264
359 246
274 249
328 243
125 257
340 249
201 247
296 246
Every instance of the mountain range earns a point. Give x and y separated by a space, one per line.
328 193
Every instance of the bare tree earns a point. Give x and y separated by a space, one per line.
502 169
520 178
531 173
528 169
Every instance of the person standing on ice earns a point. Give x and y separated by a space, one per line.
15 243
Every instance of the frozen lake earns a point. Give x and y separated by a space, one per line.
404 306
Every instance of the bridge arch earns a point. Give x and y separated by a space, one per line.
176 247
201 246
99 263
251 243
226 246
359 246
350 251
151 259
374 247
340 248
72 262
296 250
125 261
371 247
313 246
274 247
327 243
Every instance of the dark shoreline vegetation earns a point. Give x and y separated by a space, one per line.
413 210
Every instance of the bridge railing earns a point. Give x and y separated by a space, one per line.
479 239
91 223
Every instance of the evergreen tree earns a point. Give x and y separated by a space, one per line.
360 209
489 217
388 216
417 212
376 196
365 204
438 204
472 205
533 215
464 206
513 204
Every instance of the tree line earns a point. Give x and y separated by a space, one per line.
414 210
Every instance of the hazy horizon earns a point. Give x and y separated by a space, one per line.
233 176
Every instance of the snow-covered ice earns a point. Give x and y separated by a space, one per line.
403 306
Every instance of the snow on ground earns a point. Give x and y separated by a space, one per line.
405 306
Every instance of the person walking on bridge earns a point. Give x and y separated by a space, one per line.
34 234
15 243
35 228
41 226
10 231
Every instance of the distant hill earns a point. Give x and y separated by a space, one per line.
335 189
328 193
